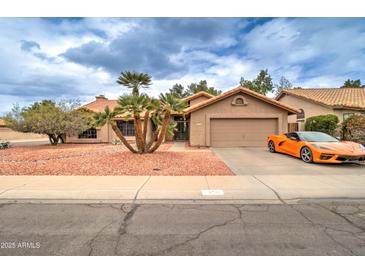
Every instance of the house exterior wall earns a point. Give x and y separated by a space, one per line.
310 109
255 108
105 134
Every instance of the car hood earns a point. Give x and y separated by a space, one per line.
342 147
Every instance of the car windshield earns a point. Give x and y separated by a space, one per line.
316 137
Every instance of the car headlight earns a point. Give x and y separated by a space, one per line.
361 147
323 147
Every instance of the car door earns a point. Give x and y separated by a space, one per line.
292 144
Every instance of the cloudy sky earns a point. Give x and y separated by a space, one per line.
62 58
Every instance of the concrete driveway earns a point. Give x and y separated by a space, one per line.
259 161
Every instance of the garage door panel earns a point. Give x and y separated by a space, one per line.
241 131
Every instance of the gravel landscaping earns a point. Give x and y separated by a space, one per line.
106 159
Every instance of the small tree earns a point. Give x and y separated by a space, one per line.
179 91
352 84
353 128
202 86
54 120
261 84
323 123
283 84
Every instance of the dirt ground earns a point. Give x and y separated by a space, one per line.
107 159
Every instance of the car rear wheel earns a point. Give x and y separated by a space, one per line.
306 155
271 146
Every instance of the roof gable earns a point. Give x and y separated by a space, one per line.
243 90
197 95
99 105
347 98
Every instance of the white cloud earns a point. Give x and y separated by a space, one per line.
310 52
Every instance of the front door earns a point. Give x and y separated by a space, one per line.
182 129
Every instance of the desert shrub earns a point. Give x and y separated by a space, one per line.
4 144
323 123
353 128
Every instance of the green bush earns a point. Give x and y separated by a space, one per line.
353 129
323 123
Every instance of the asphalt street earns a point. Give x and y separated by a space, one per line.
306 228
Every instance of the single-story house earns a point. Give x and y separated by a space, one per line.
342 102
105 134
239 117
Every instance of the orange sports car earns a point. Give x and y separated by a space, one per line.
316 147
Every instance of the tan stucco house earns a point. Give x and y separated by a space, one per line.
342 102
239 117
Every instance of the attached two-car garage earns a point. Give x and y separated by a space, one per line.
237 118
234 132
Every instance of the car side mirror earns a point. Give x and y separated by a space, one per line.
293 138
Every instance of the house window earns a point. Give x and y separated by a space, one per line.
126 127
239 101
347 115
88 134
301 115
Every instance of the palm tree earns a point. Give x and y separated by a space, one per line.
134 80
168 104
106 117
136 107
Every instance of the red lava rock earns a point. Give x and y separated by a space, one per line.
106 159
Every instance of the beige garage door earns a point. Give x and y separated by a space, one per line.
241 132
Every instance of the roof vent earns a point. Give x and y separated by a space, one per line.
101 97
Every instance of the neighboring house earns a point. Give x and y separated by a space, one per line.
239 117
342 102
2 123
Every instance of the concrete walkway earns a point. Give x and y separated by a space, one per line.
182 147
254 188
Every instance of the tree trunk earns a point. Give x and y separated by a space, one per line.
62 138
53 139
162 133
150 143
145 126
122 138
139 134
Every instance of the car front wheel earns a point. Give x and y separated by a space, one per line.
271 146
306 155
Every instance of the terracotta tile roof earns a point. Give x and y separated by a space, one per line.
100 103
197 95
243 90
2 123
333 97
